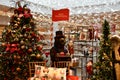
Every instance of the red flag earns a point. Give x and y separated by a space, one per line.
60 15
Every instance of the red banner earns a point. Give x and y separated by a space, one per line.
60 15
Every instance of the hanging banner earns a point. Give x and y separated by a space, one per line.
60 15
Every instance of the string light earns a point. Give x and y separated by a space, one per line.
76 7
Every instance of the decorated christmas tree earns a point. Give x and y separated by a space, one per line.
20 44
104 67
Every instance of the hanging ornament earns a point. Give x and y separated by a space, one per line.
18 19
18 69
18 57
20 35
105 56
22 42
30 50
15 25
29 36
25 35
32 55
13 35
33 39
24 27
40 47
18 23
38 56
16 39
15 57
26 39
22 47
3 44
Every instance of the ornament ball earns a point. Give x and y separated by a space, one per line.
3 44
38 56
18 69
30 50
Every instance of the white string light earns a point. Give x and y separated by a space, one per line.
76 6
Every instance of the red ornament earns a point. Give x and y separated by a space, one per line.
30 50
40 47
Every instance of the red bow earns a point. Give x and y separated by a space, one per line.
11 47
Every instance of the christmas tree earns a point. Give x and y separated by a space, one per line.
104 68
20 44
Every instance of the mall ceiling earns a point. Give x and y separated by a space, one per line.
75 6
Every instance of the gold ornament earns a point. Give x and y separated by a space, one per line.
25 35
32 55
18 22
24 27
21 35
16 39
105 56
21 42
22 47
38 56
3 44
29 36
15 57
26 39
18 57
18 69
16 25
18 19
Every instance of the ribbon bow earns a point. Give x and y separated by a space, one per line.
11 47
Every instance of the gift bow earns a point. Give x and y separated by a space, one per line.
11 47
